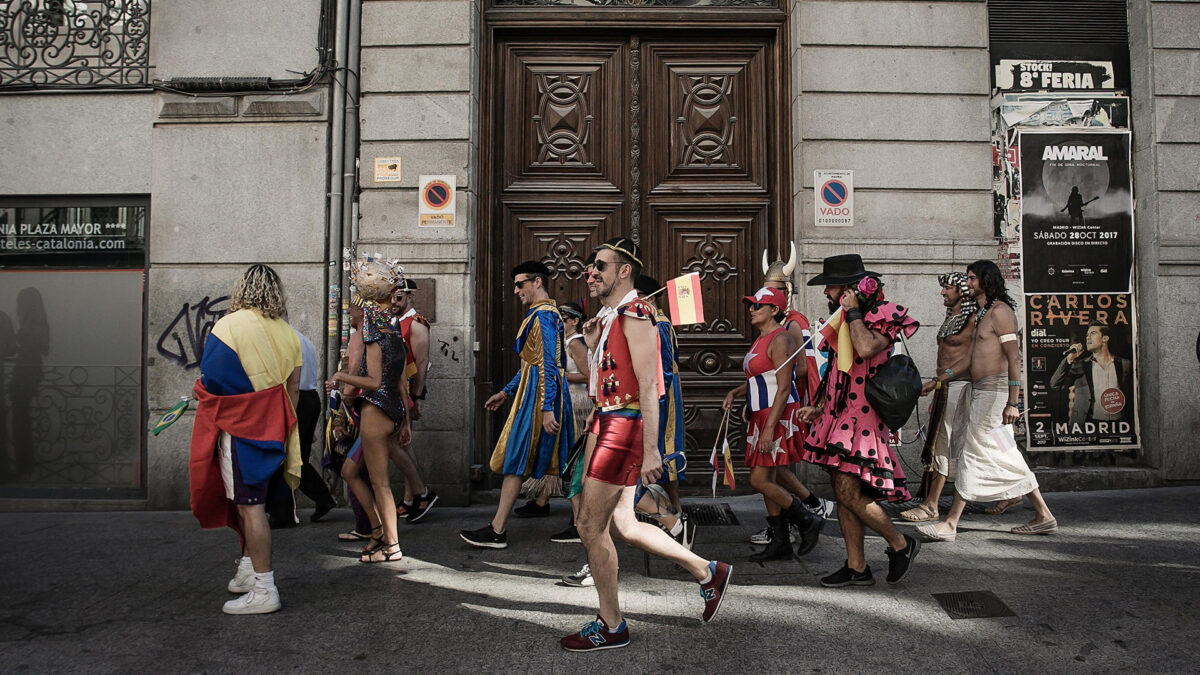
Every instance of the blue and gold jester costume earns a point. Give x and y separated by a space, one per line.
524 449
670 405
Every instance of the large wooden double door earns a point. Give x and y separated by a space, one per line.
677 139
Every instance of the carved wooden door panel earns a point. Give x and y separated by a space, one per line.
665 137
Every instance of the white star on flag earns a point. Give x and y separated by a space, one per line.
753 439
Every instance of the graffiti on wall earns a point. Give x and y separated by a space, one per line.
182 341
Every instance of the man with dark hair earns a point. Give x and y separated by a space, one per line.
540 429
989 466
1090 369
414 328
847 437
626 381
670 426
953 343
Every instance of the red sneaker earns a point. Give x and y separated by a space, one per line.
596 636
713 592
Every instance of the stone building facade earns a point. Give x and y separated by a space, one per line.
897 91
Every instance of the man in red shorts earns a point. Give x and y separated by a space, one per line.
626 382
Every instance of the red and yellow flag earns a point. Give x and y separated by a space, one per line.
686 303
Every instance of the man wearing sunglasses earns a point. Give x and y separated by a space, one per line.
539 431
626 381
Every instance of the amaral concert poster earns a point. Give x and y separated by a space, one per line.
1076 212
1080 369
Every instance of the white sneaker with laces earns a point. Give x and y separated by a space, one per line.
243 580
581 578
257 601
762 537
824 509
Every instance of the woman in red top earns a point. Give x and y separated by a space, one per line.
772 406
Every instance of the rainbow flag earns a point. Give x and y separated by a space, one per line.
172 415
686 303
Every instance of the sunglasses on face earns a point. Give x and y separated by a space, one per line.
520 283
755 306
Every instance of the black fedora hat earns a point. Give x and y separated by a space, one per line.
841 270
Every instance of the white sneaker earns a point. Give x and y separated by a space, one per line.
762 537
256 601
581 578
824 509
243 580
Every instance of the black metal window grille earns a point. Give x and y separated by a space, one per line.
1058 21
626 4
72 43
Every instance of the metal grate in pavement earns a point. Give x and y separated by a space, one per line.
972 605
711 514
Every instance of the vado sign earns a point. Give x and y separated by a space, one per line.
833 202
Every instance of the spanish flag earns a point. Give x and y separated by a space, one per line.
172 415
683 295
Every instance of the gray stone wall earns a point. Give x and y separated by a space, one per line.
1165 63
232 180
420 103
898 92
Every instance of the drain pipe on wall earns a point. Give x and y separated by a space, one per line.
334 237
350 165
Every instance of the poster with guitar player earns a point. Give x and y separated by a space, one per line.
1076 211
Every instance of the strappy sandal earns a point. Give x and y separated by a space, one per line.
395 556
932 533
1003 505
375 542
920 513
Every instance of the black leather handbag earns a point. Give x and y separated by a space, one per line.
894 389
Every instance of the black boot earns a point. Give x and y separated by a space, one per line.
808 523
780 546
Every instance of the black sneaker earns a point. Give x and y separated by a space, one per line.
567 536
899 562
322 510
420 506
533 510
848 577
485 537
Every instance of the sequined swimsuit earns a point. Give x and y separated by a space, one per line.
388 397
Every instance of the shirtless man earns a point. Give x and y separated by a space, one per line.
953 346
988 469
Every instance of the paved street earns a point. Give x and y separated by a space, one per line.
1117 590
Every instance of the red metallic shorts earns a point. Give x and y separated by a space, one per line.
617 459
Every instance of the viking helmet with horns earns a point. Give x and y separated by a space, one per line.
780 271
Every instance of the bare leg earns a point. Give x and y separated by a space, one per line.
596 511
509 489
852 534
543 497
257 533
868 513
406 461
788 481
762 479
648 505
649 538
375 429
955 513
352 474
935 491
1041 510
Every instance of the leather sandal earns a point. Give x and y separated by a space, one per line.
920 514
932 533
375 542
394 556
1003 505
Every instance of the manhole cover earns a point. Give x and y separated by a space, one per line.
972 605
710 514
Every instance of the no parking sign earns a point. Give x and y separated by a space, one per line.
437 201
833 199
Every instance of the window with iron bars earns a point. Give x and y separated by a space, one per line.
74 43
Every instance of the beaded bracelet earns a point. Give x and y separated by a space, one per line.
1014 383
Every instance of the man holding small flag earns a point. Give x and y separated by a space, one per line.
626 381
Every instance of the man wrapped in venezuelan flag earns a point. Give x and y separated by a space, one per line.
540 428
245 448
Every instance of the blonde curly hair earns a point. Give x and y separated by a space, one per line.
259 288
